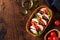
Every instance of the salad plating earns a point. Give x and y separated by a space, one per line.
40 21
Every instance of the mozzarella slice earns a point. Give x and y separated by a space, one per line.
32 27
33 31
41 27
39 15
34 20
44 21
46 15
43 9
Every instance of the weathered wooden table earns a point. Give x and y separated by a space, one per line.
13 21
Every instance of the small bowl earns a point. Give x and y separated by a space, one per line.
56 30
31 3
32 15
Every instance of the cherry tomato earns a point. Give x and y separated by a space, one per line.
57 23
55 38
53 34
50 38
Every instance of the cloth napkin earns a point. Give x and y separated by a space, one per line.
55 3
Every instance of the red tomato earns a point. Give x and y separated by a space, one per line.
55 38
46 10
53 34
36 27
50 38
57 23
33 24
42 23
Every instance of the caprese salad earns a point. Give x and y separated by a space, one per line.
39 21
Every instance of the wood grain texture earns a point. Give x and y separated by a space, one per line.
13 21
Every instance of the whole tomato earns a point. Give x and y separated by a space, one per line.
53 34
57 23
55 38
50 38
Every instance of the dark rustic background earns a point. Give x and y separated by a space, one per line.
13 21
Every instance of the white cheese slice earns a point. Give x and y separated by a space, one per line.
46 15
32 27
44 21
34 20
43 9
39 15
33 31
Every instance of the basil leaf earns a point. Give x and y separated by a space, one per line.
36 5
40 32
35 0
48 14
36 14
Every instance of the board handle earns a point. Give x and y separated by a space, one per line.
59 34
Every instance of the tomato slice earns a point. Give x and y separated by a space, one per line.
41 22
46 10
34 25
37 28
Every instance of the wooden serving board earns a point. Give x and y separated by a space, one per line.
13 21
